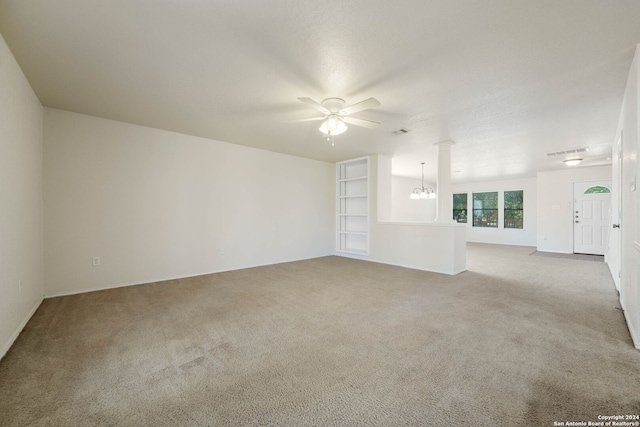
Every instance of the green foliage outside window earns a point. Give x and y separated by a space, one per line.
460 207
513 209
597 189
485 209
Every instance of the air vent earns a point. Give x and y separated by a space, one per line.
400 131
572 151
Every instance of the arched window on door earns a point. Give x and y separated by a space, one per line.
597 189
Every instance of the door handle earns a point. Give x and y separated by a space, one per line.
616 225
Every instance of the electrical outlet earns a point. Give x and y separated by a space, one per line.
221 250
96 261
19 286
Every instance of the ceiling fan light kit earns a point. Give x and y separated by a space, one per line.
333 125
336 115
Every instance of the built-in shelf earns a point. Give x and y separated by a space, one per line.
358 178
354 251
352 181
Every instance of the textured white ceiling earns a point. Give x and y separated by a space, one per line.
507 80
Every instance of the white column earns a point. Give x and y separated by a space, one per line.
444 199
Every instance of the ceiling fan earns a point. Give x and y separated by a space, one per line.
336 115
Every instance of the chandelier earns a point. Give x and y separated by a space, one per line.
422 192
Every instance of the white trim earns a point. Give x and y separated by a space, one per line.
631 328
636 245
412 267
166 279
511 244
423 223
352 160
19 329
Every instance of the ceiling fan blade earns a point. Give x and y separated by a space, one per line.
360 122
363 105
312 119
315 105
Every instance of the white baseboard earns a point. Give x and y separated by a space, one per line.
632 330
555 252
413 267
165 279
19 329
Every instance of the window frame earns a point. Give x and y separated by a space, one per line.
505 209
466 207
496 210
598 187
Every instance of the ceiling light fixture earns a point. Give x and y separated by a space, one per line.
422 192
333 125
572 162
336 115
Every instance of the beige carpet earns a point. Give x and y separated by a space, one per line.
518 340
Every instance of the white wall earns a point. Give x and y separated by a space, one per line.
501 235
612 252
21 235
405 209
555 205
428 246
156 205
628 236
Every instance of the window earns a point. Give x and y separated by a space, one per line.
597 189
485 209
460 207
513 212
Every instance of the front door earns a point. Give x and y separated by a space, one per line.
591 211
